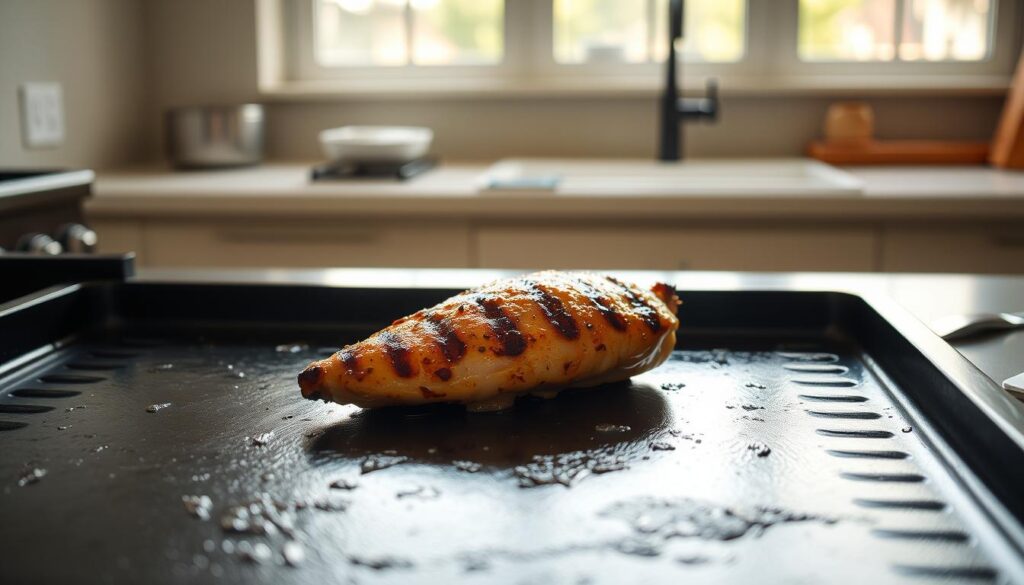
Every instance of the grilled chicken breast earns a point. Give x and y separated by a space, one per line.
534 334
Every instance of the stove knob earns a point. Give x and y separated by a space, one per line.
77 238
39 244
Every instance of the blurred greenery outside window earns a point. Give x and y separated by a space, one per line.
565 40
409 32
895 30
471 32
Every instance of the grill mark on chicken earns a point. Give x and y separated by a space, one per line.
601 302
443 334
398 352
309 380
554 310
639 305
350 360
511 339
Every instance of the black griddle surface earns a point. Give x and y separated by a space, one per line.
740 458
154 433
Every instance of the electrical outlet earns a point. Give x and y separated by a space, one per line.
42 115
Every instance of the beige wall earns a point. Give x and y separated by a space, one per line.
94 49
487 129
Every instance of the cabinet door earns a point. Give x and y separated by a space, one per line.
993 249
697 248
119 236
306 244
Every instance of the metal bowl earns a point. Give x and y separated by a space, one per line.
215 136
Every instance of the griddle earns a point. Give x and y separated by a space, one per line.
154 433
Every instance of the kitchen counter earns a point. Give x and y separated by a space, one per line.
999 356
449 192
906 219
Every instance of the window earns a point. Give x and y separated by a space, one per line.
895 30
539 46
408 32
637 32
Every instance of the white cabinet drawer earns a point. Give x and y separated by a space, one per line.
306 244
696 248
996 249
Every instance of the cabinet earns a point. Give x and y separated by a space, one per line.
306 244
752 248
781 246
992 249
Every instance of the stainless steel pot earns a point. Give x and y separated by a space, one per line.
215 136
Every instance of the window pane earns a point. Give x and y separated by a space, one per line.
360 32
715 30
600 31
636 31
847 30
455 32
945 30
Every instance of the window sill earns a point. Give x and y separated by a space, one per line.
629 87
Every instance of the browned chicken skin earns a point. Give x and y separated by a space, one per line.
535 334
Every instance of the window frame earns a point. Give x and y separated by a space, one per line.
770 64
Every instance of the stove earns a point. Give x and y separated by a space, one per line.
349 170
41 211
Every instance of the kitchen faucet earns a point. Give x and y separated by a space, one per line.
674 109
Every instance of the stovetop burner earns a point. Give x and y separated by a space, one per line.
344 170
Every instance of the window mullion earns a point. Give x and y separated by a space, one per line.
650 32
772 29
409 21
897 31
541 55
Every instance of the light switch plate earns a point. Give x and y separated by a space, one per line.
42 115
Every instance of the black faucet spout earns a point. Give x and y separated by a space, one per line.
675 109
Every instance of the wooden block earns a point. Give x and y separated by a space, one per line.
1008 142
901 152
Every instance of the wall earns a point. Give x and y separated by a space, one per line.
94 49
203 51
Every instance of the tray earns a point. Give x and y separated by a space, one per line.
153 432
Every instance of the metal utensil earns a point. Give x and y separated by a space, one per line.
1015 385
954 327
215 136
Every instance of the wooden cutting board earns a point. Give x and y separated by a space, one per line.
901 152
1008 142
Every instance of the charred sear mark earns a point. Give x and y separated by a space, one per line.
667 293
444 374
639 305
554 310
603 305
443 334
508 335
398 352
350 360
309 380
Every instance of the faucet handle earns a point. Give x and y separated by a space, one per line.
711 91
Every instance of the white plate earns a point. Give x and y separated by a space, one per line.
376 143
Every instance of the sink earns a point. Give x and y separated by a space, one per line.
695 178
